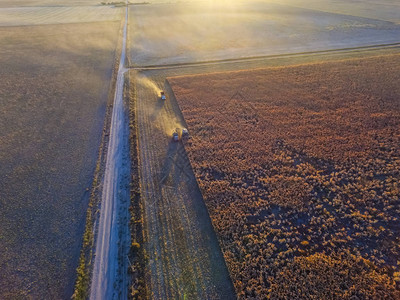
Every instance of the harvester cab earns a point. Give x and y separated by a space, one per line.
185 133
175 135
162 95
179 134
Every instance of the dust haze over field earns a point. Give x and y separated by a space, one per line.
56 59
53 93
144 81
201 31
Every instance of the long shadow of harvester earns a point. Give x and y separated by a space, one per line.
176 166
168 162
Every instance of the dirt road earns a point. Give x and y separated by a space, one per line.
109 280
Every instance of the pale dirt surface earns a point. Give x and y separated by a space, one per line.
109 279
111 240
23 16
201 31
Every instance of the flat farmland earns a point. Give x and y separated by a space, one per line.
31 3
54 87
299 169
193 32
387 10
22 16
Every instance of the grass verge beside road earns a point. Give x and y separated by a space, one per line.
137 257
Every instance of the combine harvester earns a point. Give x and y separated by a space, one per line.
179 134
162 95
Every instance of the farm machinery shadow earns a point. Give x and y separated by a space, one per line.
176 168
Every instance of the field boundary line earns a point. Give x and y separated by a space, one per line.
261 57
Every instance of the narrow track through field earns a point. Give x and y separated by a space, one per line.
185 261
